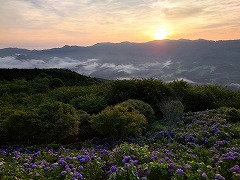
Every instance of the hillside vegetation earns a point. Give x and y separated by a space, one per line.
128 129
68 78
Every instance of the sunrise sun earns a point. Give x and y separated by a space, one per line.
161 34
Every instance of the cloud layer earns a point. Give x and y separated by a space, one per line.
88 67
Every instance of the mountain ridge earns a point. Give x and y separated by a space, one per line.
200 61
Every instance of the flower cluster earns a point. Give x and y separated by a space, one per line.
203 147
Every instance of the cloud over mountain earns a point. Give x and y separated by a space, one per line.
200 61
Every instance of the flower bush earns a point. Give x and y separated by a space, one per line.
203 147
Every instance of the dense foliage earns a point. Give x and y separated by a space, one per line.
50 122
141 129
143 108
119 122
206 146
69 78
23 98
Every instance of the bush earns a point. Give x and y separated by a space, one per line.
151 91
55 83
232 113
41 85
85 129
51 122
90 103
173 110
119 122
143 108
2 138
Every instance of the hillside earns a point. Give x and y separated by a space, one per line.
127 130
198 61
69 78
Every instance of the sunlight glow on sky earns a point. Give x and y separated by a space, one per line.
39 24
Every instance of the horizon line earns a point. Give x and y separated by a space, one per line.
120 42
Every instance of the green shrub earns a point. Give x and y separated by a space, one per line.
198 99
159 171
151 91
85 129
119 122
179 87
2 138
51 122
41 85
172 110
90 103
232 113
55 83
143 108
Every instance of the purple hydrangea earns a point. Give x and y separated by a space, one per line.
77 175
126 159
62 162
235 168
204 175
81 168
63 173
179 171
218 176
171 165
113 169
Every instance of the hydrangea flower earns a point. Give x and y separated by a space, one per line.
219 177
179 171
204 175
113 169
235 168
63 173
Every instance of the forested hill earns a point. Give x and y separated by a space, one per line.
69 78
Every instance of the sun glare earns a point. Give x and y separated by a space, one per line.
161 34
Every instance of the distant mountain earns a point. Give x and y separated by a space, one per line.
197 61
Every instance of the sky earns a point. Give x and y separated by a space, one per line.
42 24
